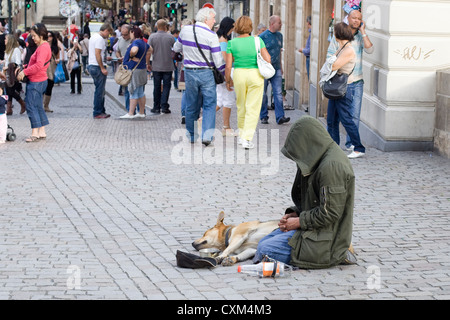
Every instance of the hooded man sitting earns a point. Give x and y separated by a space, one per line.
317 231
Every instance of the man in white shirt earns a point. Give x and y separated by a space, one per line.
200 84
97 69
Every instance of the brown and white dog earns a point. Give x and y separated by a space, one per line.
237 243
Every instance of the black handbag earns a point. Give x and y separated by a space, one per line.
177 56
218 76
336 87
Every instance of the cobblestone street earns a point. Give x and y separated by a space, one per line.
99 209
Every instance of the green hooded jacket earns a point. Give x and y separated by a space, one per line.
323 194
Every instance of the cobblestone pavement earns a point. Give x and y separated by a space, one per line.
99 209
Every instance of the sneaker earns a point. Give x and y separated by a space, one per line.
206 143
247 144
166 111
127 116
102 116
240 141
355 154
265 120
155 110
228 132
138 115
351 148
284 120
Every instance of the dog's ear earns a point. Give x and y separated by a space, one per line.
220 218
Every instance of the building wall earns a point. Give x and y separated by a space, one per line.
412 41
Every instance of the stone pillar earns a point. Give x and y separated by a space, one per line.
442 128
411 40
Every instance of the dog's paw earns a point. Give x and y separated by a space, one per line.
229 261
219 259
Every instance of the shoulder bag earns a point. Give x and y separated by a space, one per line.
336 87
123 74
218 76
265 68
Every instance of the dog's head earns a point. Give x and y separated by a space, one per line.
214 237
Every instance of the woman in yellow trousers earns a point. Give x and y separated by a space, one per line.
247 81
249 88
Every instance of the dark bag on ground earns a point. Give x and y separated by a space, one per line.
192 261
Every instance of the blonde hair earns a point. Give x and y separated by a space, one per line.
243 25
12 44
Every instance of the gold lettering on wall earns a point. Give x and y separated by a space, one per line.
414 53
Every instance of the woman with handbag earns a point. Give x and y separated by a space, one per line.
13 63
248 81
36 72
13 60
339 110
137 57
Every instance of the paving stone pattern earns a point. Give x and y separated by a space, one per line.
99 209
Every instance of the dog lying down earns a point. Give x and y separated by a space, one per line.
237 243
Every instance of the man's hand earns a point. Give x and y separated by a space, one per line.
289 222
104 71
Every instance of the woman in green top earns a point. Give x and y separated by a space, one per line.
247 81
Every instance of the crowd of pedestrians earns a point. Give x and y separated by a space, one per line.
189 57
28 63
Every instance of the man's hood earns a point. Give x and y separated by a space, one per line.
306 143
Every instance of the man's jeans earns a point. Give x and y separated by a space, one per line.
200 84
276 81
34 104
161 101
358 88
339 110
99 94
276 246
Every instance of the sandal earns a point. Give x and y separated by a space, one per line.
43 138
228 132
32 139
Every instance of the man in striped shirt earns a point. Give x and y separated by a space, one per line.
199 78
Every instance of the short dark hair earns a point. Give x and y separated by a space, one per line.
41 30
137 32
107 26
342 31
